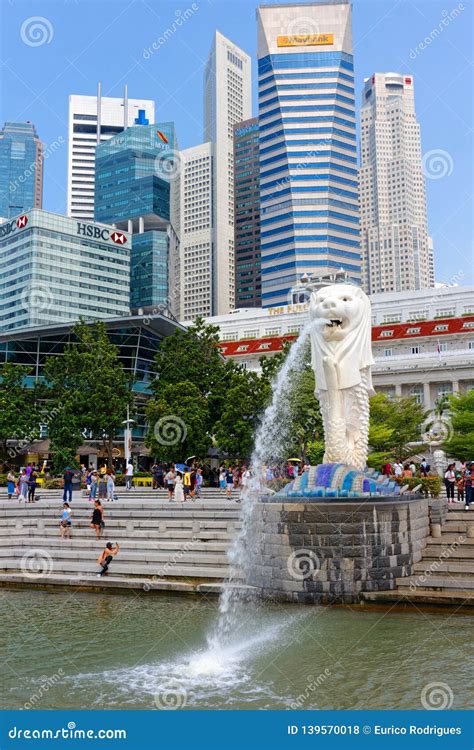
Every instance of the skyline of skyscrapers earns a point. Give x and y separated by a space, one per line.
206 247
91 121
396 253
21 169
227 100
309 198
248 282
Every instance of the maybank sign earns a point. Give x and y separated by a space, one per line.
304 40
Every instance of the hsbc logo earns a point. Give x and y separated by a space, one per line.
118 237
97 233
11 226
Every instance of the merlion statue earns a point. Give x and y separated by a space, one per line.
341 357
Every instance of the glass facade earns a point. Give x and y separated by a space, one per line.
21 169
248 285
56 269
137 345
134 172
307 147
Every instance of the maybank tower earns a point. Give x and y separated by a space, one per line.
309 193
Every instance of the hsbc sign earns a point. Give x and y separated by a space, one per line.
98 233
11 226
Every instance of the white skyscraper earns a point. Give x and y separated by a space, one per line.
93 120
227 100
394 234
196 234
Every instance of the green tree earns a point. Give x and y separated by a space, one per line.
461 440
246 398
90 384
19 409
306 424
177 420
394 424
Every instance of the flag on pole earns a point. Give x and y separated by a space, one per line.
162 136
438 349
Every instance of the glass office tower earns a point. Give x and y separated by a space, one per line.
136 175
308 161
21 169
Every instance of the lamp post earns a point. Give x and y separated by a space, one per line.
127 437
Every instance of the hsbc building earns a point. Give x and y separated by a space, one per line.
56 269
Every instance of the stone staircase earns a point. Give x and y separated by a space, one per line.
163 546
445 574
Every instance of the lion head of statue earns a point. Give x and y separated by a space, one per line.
341 330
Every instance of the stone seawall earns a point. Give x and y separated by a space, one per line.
321 552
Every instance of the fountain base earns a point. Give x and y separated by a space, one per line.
328 550
339 481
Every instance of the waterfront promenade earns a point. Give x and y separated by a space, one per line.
182 548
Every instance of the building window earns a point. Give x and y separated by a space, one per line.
386 334
416 391
443 347
445 389
243 348
391 319
388 352
413 330
272 331
468 324
442 327
415 349
229 337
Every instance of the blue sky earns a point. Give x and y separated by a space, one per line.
90 40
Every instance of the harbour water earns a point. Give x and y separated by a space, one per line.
79 651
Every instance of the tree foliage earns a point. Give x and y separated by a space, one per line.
91 388
394 424
460 443
19 409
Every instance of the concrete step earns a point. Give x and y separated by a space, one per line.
461 515
440 551
128 569
131 543
85 532
445 566
461 526
444 598
119 583
437 582
449 539
184 556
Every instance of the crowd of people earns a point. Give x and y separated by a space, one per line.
23 486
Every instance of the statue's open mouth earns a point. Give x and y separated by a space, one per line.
334 323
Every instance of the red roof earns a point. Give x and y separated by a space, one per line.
435 328
423 328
